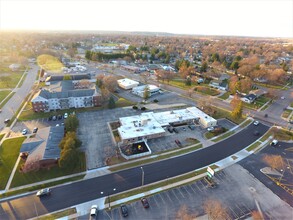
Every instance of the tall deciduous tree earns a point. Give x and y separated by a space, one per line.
71 123
184 214
146 93
236 104
111 103
215 210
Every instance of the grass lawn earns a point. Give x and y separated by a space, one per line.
253 146
221 113
286 113
121 102
9 152
259 102
272 86
22 80
41 175
1 136
224 136
3 94
6 100
225 96
206 90
291 105
57 215
14 79
181 84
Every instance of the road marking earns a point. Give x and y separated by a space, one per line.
157 203
204 186
184 187
233 213
161 198
192 188
167 194
179 190
198 187
175 195
241 211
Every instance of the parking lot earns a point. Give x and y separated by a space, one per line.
236 189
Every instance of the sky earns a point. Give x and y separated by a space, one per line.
260 18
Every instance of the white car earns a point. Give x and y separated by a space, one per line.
256 122
44 192
282 97
94 212
274 142
210 128
24 132
66 115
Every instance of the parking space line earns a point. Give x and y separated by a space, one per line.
243 204
167 194
204 186
163 195
186 189
198 187
241 211
175 195
157 203
192 188
179 190
161 198
233 213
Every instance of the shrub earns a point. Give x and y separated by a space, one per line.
143 108
156 100
134 107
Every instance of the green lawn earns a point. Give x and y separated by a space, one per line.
271 86
286 113
221 113
9 152
3 94
225 135
253 146
41 175
57 215
14 79
259 102
206 90
22 80
121 102
291 105
225 96
1 136
6 100
181 84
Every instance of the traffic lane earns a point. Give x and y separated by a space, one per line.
204 157
254 163
83 191
131 178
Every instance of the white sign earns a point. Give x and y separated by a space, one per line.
211 171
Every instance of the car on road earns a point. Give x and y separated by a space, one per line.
44 192
6 120
145 203
210 129
93 212
35 130
274 142
24 131
124 210
65 115
178 143
256 133
256 123
282 97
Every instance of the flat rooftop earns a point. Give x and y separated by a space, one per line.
127 82
200 114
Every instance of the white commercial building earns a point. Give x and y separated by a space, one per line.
150 125
127 83
139 90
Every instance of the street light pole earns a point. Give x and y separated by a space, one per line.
142 176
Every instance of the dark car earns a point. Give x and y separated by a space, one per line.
35 130
50 118
124 210
175 130
145 203
191 127
256 133
178 143
59 117
170 129
6 120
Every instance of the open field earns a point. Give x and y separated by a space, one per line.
3 94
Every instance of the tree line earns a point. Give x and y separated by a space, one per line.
98 56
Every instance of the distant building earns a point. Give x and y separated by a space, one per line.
139 90
43 149
14 66
66 94
250 98
219 84
127 83
74 77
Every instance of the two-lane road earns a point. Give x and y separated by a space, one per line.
87 190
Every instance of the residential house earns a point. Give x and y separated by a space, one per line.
250 98
219 84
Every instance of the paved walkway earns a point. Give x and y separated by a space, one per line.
12 174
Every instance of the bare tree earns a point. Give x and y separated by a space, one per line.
184 214
215 210
256 215
110 82
145 77
189 92
274 161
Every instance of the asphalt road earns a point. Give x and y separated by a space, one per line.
14 103
87 190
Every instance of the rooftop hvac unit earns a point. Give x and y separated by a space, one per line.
144 122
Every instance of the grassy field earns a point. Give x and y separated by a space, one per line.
41 175
181 84
245 123
225 96
9 152
291 105
3 94
221 113
225 135
123 103
272 86
286 113
1 136
259 102
22 80
12 82
253 146
206 90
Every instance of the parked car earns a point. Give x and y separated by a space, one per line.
191 127
184 129
210 129
124 210
282 97
93 212
44 192
256 133
24 132
178 143
54 118
57 125
274 142
65 115
6 120
59 117
145 203
35 130
50 118
256 123
175 130
170 129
